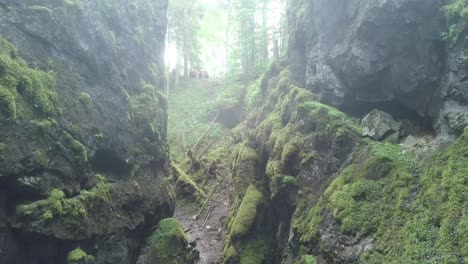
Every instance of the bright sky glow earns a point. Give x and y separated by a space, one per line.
213 52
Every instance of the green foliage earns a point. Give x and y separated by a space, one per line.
394 153
184 21
457 12
6 48
249 56
247 213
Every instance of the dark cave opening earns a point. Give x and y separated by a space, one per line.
109 162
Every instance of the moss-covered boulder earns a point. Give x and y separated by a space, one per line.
168 245
247 213
244 242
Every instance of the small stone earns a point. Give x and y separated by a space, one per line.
410 142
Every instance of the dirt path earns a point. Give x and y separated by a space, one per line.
209 238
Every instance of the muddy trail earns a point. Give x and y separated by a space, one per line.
193 129
206 229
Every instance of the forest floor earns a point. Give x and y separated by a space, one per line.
191 107
208 228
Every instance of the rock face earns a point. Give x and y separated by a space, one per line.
378 125
371 52
329 195
83 149
310 187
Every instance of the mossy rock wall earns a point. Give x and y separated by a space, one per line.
83 151
290 143
330 196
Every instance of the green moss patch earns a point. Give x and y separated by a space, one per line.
76 146
23 88
72 209
168 244
247 213
307 259
419 219
78 256
254 252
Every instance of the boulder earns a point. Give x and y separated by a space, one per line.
378 125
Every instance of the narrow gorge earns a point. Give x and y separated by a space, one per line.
233 131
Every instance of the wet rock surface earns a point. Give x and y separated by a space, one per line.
368 51
81 163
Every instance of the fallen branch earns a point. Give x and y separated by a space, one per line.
185 179
207 199
195 147
208 169
206 218
206 150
